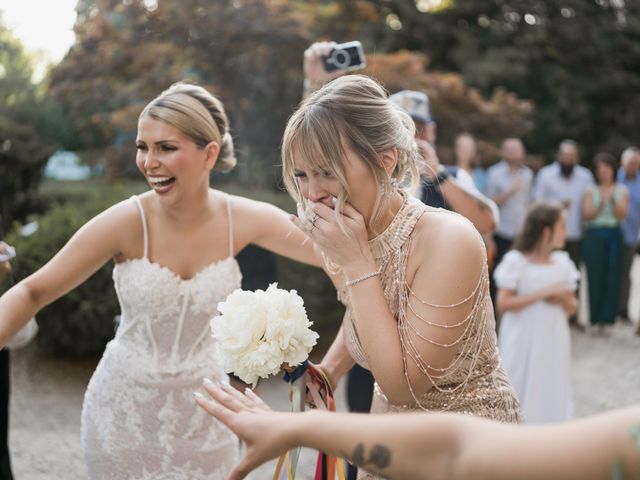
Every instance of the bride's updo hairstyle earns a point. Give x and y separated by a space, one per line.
197 114
354 109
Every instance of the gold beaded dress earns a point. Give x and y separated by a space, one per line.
474 383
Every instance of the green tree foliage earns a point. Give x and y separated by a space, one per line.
82 321
24 125
248 52
578 60
457 107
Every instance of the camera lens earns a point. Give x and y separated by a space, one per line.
341 58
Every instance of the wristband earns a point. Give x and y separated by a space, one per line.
442 177
351 283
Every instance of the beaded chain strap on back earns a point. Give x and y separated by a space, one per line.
476 364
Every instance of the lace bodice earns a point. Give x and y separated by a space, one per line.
139 419
165 318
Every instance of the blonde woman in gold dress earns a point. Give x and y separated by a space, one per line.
413 278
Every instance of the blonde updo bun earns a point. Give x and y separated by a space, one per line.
197 114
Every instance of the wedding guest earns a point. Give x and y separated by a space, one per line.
565 181
413 278
536 293
444 186
628 176
173 249
604 209
421 446
465 151
466 159
509 185
5 390
440 186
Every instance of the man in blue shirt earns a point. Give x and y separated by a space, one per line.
629 176
564 181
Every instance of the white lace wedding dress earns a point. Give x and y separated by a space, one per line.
139 419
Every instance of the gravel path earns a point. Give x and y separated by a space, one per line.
47 398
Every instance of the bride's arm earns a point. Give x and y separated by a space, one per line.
90 247
270 227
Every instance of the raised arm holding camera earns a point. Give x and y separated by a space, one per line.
316 73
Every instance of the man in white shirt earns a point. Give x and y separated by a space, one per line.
565 181
509 186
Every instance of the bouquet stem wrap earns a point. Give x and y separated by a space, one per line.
301 377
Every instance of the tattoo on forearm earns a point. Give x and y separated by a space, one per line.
616 468
379 457
635 435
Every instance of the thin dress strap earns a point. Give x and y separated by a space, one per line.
229 219
144 225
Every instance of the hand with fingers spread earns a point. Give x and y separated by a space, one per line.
245 414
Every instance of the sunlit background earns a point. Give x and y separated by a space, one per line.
44 27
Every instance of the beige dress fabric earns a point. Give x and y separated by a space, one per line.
474 383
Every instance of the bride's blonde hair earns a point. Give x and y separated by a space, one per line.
353 109
199 115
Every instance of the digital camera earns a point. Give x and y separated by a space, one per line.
345 56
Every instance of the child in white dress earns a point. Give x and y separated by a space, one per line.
536 294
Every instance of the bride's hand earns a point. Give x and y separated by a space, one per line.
350 250
264 432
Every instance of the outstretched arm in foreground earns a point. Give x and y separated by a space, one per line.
434 445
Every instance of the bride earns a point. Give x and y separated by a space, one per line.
173 249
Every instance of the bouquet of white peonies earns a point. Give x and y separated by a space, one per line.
257 332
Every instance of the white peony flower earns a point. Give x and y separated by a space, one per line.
256 332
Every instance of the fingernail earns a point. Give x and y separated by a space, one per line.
208 381
248 390
224 382
199 395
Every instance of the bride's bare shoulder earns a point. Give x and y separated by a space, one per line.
248 206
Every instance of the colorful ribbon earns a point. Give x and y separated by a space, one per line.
301 377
